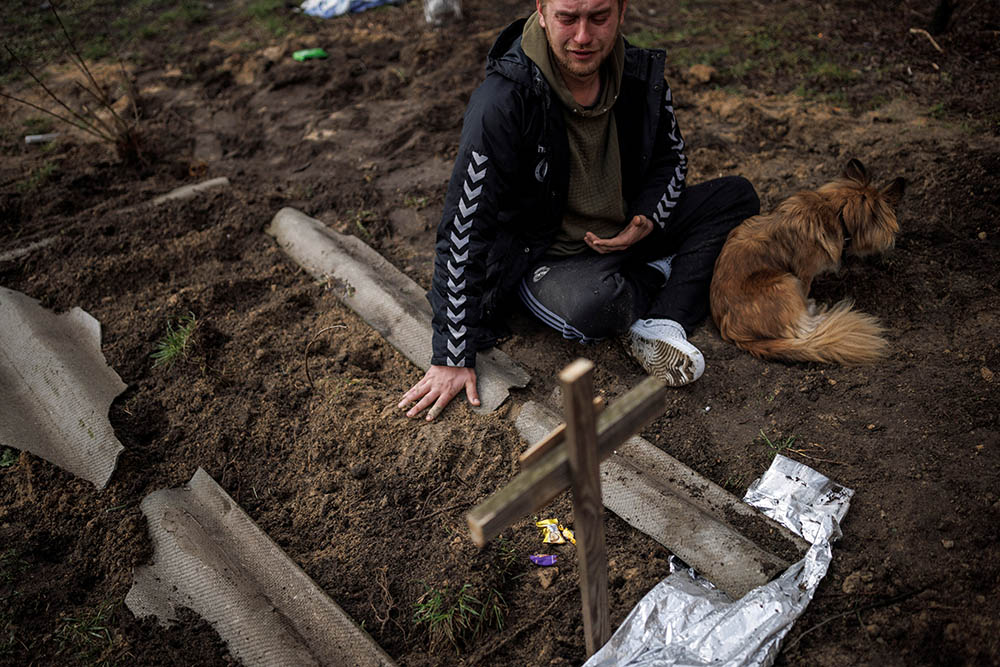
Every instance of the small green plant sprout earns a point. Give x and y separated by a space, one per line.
937 111
448 614
8 457
778 446
175 343
414 201
361 217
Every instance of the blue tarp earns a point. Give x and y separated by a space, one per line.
325 9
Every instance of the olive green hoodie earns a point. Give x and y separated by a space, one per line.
594 202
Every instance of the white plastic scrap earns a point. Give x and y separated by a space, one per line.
437 12
684 620
326 9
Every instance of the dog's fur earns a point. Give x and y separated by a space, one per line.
760 288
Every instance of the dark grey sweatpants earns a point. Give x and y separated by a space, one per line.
592 296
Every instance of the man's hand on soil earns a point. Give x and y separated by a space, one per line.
438 386
635 231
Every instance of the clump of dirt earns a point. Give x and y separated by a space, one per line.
370 504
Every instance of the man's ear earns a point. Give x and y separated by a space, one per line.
541 17
621 18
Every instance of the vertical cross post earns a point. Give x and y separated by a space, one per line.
570 457
588 510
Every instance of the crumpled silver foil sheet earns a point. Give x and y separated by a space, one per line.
685 621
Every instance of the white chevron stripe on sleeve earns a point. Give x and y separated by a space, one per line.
466 211
471 193
476 176
460 238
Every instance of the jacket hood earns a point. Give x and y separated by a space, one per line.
507 58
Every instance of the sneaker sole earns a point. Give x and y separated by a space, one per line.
669 363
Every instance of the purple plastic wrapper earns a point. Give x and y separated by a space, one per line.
543 559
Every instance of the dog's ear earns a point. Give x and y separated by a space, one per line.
894 191
856 171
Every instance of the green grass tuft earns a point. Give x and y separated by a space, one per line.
449 614
175 343
87 637
8 457
38 177
778 446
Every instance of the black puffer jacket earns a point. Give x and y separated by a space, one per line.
508 189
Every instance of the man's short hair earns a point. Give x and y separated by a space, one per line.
620 3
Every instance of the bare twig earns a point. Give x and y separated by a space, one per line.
79 62
383 583
431 495
921 31
79 117
68 121
309 344
816 458
110 130
133 95
436 512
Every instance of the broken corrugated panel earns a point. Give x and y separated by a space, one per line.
210 557
56 388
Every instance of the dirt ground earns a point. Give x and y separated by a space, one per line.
370 504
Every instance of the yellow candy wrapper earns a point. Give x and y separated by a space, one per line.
550 531
568 534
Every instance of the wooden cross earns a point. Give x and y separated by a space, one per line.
570 456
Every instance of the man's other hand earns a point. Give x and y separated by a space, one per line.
438 386
635 231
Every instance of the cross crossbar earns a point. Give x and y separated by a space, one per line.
536 486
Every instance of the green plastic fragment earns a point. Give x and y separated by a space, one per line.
306 54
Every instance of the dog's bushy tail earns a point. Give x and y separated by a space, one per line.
838 335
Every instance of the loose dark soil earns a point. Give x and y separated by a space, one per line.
370 504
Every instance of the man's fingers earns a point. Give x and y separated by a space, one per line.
427 400
471 391
415 392
438 407
437 388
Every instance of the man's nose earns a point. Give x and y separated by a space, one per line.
583 32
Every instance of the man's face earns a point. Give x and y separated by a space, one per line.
581 33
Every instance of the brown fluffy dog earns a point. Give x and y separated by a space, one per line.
762 277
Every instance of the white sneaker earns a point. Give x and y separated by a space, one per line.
663 350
